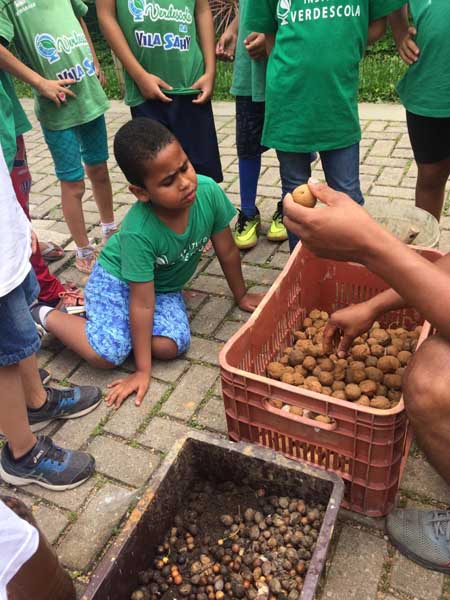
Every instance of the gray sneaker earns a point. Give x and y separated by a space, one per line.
422 535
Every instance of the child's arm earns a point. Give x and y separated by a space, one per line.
226 46
255 44
206 34
149 85
403 35
377 29
53 90
142 305
98 70
230 260
270 42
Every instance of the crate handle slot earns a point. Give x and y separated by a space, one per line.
297 419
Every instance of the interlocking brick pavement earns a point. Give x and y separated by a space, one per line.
185 393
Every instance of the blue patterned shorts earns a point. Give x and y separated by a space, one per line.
108 325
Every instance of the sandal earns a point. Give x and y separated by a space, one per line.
50 251
71 299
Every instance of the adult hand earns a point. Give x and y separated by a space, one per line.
122 388
345 325
151 88
226 46
408 49
206 84
342 230
249 302
255 44
56 91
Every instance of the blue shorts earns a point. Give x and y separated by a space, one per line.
108 325
192 125
71 147
18 335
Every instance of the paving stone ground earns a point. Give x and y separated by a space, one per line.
184 394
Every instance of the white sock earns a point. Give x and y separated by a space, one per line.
108 227
43 314
85 251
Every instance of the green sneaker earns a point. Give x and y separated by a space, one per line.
422 535
246 231
277 231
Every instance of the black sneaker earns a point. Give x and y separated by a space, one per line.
64 404
47 465
45 376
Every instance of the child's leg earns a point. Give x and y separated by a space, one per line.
13 412
35 394
72 193
171 331
430 141
94 151
295 169
430 186
341 168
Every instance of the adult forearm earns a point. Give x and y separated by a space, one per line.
420 283
141 325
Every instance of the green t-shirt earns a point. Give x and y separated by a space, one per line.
49 38
425 88
145 249
249 76
7 128
21 121
313 69
163 38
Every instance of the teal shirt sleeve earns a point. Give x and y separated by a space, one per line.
79 8
224 211
6 25
137 258
261 16
381 8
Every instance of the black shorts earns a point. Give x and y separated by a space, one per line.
193 126
430 138
249 127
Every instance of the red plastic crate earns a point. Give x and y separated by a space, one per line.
366 447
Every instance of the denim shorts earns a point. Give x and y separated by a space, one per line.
71 147
108 325
18 335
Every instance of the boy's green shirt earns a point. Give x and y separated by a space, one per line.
7 128
313 69
21 122
425 88
145 249
163 38
49 38
249 76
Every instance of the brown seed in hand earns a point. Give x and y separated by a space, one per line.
302 195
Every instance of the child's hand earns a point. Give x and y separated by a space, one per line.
121 388
226 46
408 49
206 85
56 91
100 74
249 302
150 87
255 44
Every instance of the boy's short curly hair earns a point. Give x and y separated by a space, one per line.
138 141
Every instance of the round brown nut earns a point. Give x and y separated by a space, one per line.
315 313
327 390
352 392
394 396
288 378
404 357
355 375
357 364
302 195
323 419
368 387
307 322
374 374
275 370
363 401
392 381
326 378
309 363
338 385
391 350
326 364
382 390
296 357
377 350
380 402
297 379
340 394
388 364
360 351
371 361
382 336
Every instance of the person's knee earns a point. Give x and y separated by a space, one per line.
434 175
425 395
164 348
75 189
98 173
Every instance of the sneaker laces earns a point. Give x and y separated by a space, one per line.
440 520
242 221
54 454
278 214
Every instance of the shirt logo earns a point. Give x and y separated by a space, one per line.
283 10
139 9
51 48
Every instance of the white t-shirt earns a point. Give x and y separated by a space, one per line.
15 235
18 542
